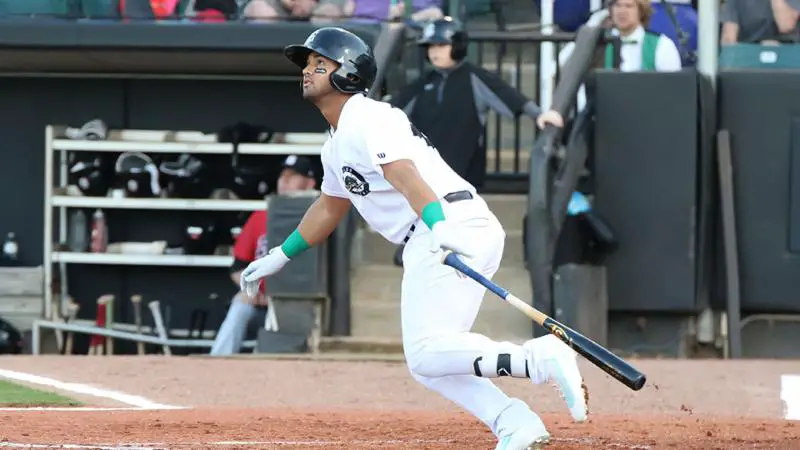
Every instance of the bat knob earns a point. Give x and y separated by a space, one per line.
445 254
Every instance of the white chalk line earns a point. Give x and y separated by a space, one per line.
790 396
292 443
76 409
77 388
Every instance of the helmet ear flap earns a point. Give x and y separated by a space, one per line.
346 81
459 46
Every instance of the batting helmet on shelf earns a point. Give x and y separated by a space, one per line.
254 176
91 174
186 177
446 31
357 68
137 175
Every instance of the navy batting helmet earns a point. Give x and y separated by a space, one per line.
357 69
443 32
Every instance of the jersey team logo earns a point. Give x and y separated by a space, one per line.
354 181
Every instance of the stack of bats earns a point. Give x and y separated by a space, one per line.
99 345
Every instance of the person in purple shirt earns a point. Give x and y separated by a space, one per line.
382 10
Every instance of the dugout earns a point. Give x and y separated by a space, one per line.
151 76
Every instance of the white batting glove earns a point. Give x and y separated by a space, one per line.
260 268
447 237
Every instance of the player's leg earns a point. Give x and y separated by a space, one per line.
232 332
439 308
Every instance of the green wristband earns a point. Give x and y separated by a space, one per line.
294 245
432 213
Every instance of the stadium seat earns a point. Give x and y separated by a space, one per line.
757 56
100 9
48 8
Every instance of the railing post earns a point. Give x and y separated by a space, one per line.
547 57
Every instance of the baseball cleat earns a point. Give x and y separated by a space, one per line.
555 362
531 437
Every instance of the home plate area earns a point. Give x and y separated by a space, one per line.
262 403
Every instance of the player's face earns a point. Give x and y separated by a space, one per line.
316 76
625 15
440 55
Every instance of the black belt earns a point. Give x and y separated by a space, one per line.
452 197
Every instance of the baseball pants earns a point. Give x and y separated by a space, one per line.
438 309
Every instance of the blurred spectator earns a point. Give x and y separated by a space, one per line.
316 11
450 103
196 10
759 21
300 173
393 10
641 50
673 18
569 15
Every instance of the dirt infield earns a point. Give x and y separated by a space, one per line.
257 403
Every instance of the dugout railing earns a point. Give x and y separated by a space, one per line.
556 165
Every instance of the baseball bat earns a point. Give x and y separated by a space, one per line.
594 352
96 341
72 313
158 321
108 300
137 319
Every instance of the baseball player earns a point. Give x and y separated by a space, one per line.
376 160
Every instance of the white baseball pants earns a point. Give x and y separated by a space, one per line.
438 309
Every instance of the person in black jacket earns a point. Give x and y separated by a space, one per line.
450 103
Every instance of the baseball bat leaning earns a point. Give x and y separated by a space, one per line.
137 319
72 313
594 352
108 300
158 321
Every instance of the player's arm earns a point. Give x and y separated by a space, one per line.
730 24
404 176
317 224
785 16
320 219
490 91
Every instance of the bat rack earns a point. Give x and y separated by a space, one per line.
60 198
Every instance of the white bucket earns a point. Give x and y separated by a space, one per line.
790 395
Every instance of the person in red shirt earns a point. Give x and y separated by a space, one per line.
300 173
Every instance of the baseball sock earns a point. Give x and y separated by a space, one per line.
509 361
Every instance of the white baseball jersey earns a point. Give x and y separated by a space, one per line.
372 133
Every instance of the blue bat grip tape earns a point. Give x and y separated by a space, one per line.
453 261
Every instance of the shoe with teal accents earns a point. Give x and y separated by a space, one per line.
529 437
551 360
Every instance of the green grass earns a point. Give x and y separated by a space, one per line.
15 395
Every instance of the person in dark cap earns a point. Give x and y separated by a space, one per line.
450 103
299 173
